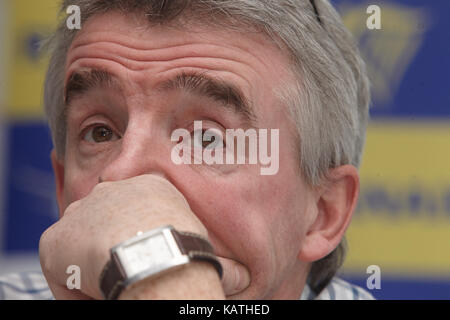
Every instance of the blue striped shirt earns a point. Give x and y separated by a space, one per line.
33 286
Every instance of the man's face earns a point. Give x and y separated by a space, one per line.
119 125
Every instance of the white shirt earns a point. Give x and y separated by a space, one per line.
337 289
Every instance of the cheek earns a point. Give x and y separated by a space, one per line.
283 206
247 215
227 207
82 173
257 220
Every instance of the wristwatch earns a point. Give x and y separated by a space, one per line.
150 254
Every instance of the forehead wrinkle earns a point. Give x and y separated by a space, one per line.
144 42
142 59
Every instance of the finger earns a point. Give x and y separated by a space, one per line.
235 278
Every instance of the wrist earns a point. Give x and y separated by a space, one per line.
196 280
153 254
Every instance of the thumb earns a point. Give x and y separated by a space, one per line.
235 277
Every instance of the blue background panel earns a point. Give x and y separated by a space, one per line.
30 200
424 89
400 288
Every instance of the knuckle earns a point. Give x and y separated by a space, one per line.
72 207
100 186
46 241
46 236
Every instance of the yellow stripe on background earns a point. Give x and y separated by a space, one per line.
29 20
405 246
403 162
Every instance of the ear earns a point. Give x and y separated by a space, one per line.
334 207
58 169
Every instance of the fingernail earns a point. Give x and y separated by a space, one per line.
242 278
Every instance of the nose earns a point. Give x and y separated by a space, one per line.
142 151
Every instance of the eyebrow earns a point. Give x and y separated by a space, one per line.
221 91
81 82
230 95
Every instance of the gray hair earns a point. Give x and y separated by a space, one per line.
328 102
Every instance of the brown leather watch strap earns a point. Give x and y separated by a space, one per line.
111 281
197 248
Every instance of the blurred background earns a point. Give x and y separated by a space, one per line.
402 224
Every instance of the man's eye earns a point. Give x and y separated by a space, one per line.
99 134
209 139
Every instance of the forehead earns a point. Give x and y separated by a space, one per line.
135 51
143 33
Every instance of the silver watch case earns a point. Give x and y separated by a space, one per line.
157 251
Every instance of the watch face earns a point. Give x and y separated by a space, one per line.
146 254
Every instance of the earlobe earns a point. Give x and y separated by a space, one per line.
334 209
58 169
